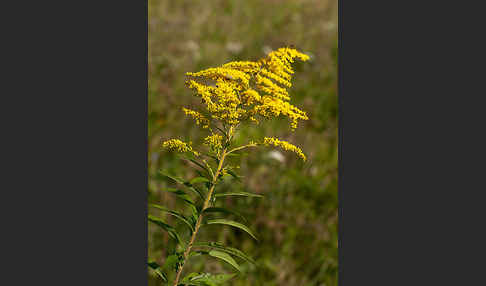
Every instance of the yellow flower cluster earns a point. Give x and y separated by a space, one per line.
223 73
284 145
179 146
200 119
215 142
271 106
234 94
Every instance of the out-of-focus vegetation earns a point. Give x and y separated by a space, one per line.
296 222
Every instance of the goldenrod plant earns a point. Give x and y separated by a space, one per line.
233 94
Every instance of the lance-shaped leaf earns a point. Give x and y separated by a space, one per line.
230 250
172 232
171 262
199 180
226 257
216 160
192 159
180 194
173 178
224 210
234 175
157 269
182 182
175 214
244 194
232 223
206 278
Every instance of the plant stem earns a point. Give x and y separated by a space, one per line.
207 202
242 147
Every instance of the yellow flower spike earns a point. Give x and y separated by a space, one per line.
179 146
251 96
200 119
275 77
284 145
247 67
266 85
227 73
242 90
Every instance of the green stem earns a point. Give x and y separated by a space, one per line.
241 147
207 203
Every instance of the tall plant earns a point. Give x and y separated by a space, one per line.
234 93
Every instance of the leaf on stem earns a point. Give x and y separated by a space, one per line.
224 210
206 279
199 180
171 262
234 175
234 224
226 257
179 216
245 194
181 194
157 269
172 232
192 159
230 250
185 183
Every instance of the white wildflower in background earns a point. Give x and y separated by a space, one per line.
266 49
234 47
274 154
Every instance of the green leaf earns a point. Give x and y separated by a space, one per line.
212 157
197 253
232 223
230 250
157 269
189 276
192 158
182 182
171 262
173 178
226 257
245 194
234 175
172 232
207 279
196 191
224 210
175 214
181 194
199 180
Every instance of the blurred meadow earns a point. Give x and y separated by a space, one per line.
296 222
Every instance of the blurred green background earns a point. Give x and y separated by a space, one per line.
296 222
